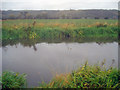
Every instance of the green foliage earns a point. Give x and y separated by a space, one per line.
0 81
87 76
52 29
13 80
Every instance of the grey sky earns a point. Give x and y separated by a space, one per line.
58 4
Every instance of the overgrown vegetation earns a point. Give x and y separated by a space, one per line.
52 29
87 76
13 80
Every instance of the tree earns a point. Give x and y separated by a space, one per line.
24 14
39 16
29 16
44 15
96 17
106 18
12 16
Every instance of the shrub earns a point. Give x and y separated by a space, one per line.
13 80
87 76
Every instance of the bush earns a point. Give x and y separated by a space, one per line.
13 80
87 76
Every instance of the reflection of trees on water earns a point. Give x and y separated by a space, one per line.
68 47
5 49
30 44
33 42
25 43
16 46
100 43
34 47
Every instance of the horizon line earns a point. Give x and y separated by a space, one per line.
50 9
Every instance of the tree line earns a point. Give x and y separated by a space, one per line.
63 14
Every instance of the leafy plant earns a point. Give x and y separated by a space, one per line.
13 80
87 76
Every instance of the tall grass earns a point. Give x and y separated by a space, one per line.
13 80
87 76
30 29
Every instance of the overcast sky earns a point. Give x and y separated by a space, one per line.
58 4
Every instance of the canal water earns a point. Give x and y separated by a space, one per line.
42 61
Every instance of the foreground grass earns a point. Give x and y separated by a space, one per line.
13 80
52 29
87 76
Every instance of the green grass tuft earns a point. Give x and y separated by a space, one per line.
13 80
87 76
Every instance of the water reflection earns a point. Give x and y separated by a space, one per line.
34 47
32 42
42 61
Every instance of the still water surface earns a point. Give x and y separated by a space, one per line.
42 61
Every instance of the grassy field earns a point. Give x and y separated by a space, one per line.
59 28
87 76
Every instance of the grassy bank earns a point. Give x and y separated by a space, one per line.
87 76
62 29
